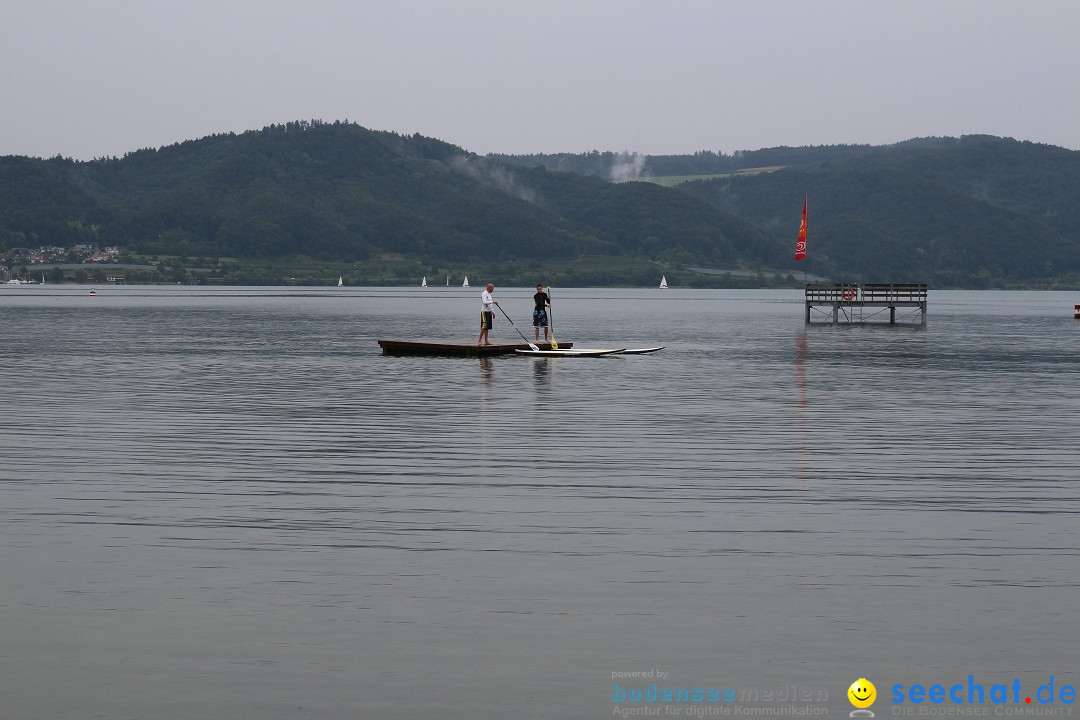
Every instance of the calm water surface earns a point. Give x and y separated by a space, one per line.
226 503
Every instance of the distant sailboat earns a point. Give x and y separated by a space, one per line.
466 283
339 282
663 282
423 283
447 281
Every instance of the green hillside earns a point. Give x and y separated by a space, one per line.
976 211
626 166
979 212
306 201
340 196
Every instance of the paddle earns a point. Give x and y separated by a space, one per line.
551 321
531 346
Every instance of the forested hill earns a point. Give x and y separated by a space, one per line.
975 211
341 192
628 166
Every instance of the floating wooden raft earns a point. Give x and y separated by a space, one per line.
466 348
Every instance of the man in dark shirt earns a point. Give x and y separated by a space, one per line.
541 303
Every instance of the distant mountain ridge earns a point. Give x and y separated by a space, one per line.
620 166
340 191
976 211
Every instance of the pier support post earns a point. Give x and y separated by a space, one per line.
835 313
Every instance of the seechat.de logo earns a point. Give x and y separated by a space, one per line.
862 695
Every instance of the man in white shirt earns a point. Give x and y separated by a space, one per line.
486 313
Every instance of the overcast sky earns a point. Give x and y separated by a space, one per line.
87 78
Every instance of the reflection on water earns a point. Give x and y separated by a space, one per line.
542 370
234 493
800 401
487 369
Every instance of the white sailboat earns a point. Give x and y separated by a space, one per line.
339 281
447 281
466 283
423 283
663 282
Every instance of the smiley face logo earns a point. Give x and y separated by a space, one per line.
862 693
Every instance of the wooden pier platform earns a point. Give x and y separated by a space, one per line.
852 300
465 348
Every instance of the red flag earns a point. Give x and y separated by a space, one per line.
800 244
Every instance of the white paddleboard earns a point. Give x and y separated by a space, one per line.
575 352
641 351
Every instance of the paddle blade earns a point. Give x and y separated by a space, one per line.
551 321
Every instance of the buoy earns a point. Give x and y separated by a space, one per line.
1076 311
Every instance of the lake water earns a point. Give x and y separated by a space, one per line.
226 503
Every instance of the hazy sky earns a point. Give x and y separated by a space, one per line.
86 78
